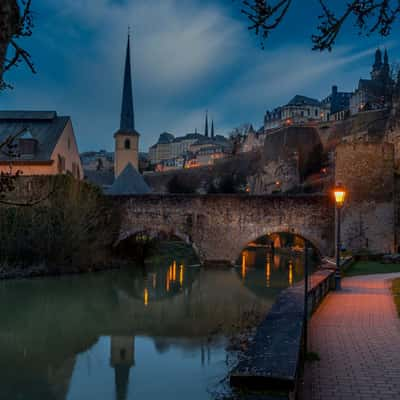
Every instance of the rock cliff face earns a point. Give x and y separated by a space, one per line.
283 162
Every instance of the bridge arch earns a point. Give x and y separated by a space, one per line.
218 227
275 238
154 232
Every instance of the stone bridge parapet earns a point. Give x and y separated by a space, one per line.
220 226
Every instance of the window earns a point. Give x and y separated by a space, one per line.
127 144
61 164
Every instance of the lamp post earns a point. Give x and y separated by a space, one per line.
340 196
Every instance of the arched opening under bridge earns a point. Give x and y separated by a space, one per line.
275 261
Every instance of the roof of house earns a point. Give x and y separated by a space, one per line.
303 100
45 127
165 138
129 181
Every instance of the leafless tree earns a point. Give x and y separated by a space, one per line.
15 22
369 16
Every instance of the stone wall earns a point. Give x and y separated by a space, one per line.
220 226
368 218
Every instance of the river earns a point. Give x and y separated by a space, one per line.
157 332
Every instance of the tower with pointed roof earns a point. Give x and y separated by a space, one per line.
206 126
127 137
212 130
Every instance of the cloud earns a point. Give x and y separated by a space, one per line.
188 56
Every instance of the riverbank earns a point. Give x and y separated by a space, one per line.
39 271
371 267
165 252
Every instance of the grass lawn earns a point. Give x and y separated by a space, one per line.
371 267
396 294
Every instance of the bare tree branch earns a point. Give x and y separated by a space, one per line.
16 21
371 16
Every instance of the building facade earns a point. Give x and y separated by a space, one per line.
43 143
338 103
299 110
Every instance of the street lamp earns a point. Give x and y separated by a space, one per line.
340 197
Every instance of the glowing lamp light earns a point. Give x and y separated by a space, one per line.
340 195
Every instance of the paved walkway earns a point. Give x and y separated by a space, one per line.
356 333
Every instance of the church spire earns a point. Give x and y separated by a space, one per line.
206 125
386 58
127 113
212 129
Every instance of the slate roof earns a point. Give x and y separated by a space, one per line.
102 178
44 126
165 138
129 182
373 87
303 100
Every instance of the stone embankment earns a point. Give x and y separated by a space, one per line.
272 362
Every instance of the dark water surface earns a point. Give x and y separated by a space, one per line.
156 333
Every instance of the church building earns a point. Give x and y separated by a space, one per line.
374 93
127 179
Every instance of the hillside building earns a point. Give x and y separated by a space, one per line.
188 151
299 110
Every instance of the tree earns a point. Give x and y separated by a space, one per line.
370 16
15 22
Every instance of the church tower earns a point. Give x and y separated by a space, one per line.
126 138
377 67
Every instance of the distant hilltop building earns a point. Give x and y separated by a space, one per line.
299 110
374 93
189 151
45 144
371 94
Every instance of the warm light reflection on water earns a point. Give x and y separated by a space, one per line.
268 273
291 273
133 334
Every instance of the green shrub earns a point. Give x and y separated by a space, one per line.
72 225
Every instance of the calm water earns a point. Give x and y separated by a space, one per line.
157 333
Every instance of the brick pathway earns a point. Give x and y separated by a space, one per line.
356 333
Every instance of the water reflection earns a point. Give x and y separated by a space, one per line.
262 268
122 359
129 334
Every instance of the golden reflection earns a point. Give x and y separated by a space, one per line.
181 274
290 273
277 261
174 271
268 273
146 297
168 280
244 265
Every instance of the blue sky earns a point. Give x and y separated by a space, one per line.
188 56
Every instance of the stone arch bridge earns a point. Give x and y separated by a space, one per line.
220 226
